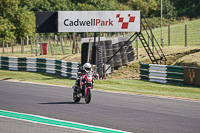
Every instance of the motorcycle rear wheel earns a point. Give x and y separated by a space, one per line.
75 97
88 96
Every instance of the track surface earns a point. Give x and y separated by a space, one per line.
133 113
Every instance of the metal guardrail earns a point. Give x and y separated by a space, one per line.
162 73
53 66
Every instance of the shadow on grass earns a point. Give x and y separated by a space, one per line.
6 79
52 76
171 84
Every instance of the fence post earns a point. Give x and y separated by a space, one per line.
74 43
185 35
168 35
88 35
27 40
137 40
57 39
12 46
70 39
3 45
21 46
31 45
77 43
50 46
35 44
61 40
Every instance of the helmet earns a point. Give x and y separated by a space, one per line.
87 66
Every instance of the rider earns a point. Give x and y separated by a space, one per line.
83 70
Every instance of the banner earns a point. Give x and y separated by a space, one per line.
191 76
197 77
46 22
99 21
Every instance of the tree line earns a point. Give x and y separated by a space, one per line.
17 17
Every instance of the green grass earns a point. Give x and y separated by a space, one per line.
117 85
35 77
149 88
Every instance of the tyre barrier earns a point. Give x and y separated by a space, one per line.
109 53
105 51
52 66
117 57
123 53
130 52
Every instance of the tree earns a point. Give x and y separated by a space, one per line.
47 5
190 8
15 21
98 5
169 11
25 23
8 8
145 6
7 29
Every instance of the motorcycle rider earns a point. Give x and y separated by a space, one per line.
86 68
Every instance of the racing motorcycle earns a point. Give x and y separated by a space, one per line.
84 87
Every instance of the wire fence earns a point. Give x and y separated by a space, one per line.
186 34
57 45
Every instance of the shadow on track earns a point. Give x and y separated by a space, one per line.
61 103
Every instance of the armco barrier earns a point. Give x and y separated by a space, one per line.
162 73
59 67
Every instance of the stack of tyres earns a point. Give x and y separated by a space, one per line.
102 43
117 57
130 52
99 60
102 53
124 58
109 53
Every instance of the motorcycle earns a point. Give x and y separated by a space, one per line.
84 87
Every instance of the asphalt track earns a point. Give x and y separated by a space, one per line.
132 113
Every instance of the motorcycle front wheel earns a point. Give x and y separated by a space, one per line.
75 97
88 96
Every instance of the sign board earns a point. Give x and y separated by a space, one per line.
46 22
99 21
191 76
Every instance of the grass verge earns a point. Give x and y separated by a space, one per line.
117 85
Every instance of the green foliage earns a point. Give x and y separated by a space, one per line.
7 13
169 11
145 6
86 5
47 5
17 17
25 23
190 8
8 8
6 29
15 21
